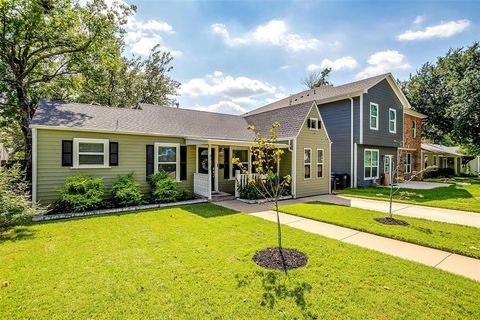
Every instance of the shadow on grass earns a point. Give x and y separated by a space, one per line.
16 234
277 286
208 210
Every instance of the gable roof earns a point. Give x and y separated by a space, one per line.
166 121
330 93
438 148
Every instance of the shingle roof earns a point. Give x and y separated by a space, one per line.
149 119
438 148
321 93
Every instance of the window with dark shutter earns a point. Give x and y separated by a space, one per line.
309 123
226 164
254 167
67 153
319 124
183 162
150 160
113 154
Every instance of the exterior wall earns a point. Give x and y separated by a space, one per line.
314 139
132 158
360 163
224 185
413 144
383 95
474 165
337 118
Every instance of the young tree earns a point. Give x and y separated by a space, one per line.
267 155
317 79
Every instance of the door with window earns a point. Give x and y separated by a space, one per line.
203 164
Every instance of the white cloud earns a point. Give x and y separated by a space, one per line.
442 30
383 62
223 107
274 32
220 84
342 63
285 67
419 19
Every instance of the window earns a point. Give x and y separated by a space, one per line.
319 163
414 129
425 162
392 120
168 159
373 116
90 153
370 164
407 163
313 124
242 156
307 163
386 164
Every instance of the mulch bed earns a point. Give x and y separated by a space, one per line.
270 258
391 221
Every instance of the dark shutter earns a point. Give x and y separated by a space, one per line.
309 123
150 160
253 166
113 154
183 162
226 163
67 153
319 126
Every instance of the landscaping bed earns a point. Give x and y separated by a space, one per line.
459 239
196 262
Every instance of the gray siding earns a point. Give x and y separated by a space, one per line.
360 157
383 95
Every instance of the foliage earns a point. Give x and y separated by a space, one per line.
201 255
185 194
80 193
448 92
249 192
164 187
126 191
460 239
440 172
317 78
14 196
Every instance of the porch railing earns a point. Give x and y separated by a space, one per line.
241 180
202 185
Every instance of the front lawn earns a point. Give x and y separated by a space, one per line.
457 197
195 262
445 236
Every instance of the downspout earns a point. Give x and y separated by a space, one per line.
361 118
294 168
330 169
351 141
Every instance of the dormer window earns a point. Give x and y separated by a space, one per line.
314 123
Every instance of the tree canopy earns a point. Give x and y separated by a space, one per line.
317 78
448 92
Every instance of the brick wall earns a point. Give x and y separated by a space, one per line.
411 144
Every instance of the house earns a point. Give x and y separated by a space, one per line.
443 157
369 122
195 147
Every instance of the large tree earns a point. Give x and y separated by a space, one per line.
448 92
317 79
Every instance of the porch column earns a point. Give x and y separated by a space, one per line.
209 172
455 160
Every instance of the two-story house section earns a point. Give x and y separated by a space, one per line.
365 122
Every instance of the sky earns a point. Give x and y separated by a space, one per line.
234 56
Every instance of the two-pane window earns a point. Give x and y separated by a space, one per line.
373 116
371 164
414 129
307 163
90 153
168 158
242 156
319 163
392 120
407 163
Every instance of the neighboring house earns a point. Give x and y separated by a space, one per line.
3 153
442 157
410 154
365 121
474 165
195 147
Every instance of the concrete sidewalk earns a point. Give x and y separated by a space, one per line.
454 263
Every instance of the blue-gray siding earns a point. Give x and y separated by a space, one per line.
361 182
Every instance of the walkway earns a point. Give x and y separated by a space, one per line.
454 263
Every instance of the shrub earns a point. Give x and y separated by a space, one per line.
126 191
185 194
164 187
14 197
440 173
249 192
80 193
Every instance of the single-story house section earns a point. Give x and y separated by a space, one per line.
195 147
445 157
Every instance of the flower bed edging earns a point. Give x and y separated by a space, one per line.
46 217
260 201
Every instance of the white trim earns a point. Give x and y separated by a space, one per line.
177 157
361 118
351 140
355 167
394 120
408 155
316 123
320 163
377 118
294 168
215 150
305 163
230 165
77 153
305 120
34 165
330 168
378 162
414 128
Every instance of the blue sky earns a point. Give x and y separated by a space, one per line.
233 56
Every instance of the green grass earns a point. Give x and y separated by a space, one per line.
195 262
457 197
445 236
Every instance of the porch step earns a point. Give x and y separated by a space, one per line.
222 196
